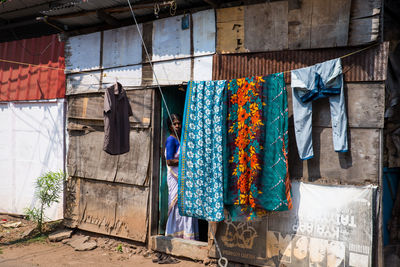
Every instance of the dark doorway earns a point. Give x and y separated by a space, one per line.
175 99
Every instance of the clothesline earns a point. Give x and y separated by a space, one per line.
149 79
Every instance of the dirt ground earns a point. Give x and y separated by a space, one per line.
20 245
44 254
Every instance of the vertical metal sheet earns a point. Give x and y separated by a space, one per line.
127 76
368 65
83 83
29 82
169 40
83 52
203 68
172 72
204 32
121 47
30 145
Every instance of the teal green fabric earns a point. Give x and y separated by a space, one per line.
200 163
256 178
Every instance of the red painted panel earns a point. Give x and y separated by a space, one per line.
44 79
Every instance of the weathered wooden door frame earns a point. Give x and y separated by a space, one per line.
199 250
155 163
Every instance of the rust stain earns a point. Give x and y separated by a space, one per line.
368 65
84 106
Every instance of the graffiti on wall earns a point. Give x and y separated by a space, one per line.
329 226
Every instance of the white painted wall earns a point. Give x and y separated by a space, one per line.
31 143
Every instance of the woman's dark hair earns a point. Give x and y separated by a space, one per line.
173 117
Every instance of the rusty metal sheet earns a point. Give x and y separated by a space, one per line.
86 158
358 96
82 52
122 46
28 82
113 209
368 65
359 166
90 107
328 226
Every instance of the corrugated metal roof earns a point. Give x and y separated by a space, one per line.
92 19
23 82
13 6
368 65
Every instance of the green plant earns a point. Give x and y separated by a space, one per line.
48 189
119 248
1 251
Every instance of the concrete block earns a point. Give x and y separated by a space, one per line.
179 247
60 235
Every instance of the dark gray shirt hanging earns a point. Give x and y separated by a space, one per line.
116 120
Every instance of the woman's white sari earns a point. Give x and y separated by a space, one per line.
177 225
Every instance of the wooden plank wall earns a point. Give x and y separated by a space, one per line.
281 25
362 164
108 208
108 193
359 166
365 21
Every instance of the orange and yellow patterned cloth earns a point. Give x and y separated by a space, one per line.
256 176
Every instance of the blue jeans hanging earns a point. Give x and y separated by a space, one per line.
309 84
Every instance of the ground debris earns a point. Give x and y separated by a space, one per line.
30 231
81 243
11 224
60 235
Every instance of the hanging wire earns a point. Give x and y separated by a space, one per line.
152 68
222 261
130 78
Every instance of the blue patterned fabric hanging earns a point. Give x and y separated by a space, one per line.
200 192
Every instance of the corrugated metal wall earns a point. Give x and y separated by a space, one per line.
30 82
368 65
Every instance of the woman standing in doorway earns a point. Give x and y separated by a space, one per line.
177 226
